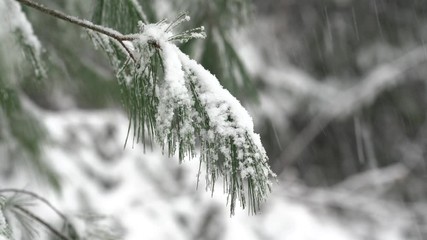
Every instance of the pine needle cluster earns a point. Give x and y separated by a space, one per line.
174 101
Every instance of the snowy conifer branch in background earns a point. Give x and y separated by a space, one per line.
173 99
83 23
40 221
5 231
14 209
23 33
35 196
16 219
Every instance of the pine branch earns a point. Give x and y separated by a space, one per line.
176 101
36 196
5 230
83 23
42 222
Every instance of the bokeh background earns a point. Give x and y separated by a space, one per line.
336 89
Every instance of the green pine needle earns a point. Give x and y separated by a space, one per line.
5 230
176 123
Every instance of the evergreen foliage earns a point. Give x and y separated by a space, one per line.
5 231
176 101
169 97
21 135
220 19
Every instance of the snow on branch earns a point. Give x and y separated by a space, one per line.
5 231
186 104
174 100
15 21
190 105
229 145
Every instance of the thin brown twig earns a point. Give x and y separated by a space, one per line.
128 51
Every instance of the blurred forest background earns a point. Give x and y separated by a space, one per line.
337 90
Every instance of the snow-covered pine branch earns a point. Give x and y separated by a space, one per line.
15 22
174 100
5 231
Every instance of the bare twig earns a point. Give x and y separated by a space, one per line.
127 50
